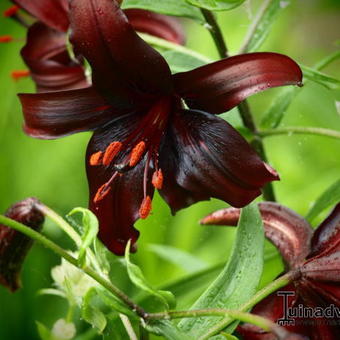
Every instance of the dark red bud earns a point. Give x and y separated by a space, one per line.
14 245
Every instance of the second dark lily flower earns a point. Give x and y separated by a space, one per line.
144 136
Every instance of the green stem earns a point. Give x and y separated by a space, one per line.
166 45
300 130
61 252
216 33
260 295
253 27
243 107
256 320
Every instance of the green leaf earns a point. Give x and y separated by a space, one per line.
239 279
137 277
264 25
181 62
44 332
89 233
178 8
330 197
178 257
92 314
168 330
216 5
320 78
274 115
113 302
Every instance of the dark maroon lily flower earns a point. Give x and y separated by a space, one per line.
46 53
14 245
143 137
315 258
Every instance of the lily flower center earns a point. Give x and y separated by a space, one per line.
142 143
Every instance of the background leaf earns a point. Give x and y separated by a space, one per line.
320 78
239 279
178 8
178 257
216 5
329 197
261 26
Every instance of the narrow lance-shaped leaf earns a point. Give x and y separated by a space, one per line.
262 24
89 231
216 5
329 197
182 259
239 279
178 8
137 277
274 115
320 78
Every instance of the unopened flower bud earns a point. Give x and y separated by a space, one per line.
14 245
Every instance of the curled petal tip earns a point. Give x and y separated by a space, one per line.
228 216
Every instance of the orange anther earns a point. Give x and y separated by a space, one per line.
145 207
101 193
11 11
111 152
137 153
96 158
157 179
6 38
16 75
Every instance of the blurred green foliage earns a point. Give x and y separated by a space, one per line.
54 172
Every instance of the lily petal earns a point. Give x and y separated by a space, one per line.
52 13
288 231
220 86
156 24
57 114
323 268
327 235
103 35
51 68
119 209
213 160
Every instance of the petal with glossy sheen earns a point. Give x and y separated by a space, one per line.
327 235
220 86
156 24
119 209
288 231
56 114
51 12
323 268
51 68
212 160
103 35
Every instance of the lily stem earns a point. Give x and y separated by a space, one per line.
215 32
243 107
256 320
260 295
64 254
300 130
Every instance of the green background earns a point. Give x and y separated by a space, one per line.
54 172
